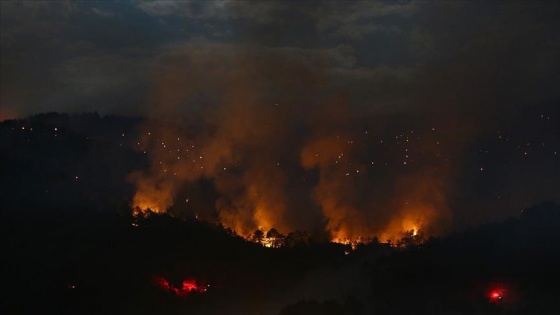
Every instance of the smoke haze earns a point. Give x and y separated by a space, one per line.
353 118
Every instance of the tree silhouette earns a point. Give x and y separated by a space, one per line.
258 236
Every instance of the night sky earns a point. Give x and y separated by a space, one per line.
348 120
388 56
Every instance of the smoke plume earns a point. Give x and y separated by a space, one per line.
255 134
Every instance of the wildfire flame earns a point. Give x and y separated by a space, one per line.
143 205
270 239
394 233
187 286
287 155
352 242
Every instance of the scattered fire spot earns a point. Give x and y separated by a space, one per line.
496 295
187 286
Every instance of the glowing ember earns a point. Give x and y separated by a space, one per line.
345 241
142 210
496 295
270 239
354 243
187 286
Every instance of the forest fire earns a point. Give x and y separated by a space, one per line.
406 238
354 243
271 239
301 157
187 286
275 239
143 205
401 234
244 166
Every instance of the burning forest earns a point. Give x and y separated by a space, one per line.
265 175
280 157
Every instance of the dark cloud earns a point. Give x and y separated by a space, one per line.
461 54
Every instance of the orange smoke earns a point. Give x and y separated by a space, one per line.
280 151
331 193
233 146
422 206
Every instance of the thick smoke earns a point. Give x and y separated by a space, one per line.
282 147
242 138
299 136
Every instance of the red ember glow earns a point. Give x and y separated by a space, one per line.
496 295
187 286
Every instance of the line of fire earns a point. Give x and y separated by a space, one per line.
274 239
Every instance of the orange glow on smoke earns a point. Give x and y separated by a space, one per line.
407 224
258 199
144 203
262 218
143 209
410 222
410 225
253 143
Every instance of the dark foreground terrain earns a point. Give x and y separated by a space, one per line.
98 262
